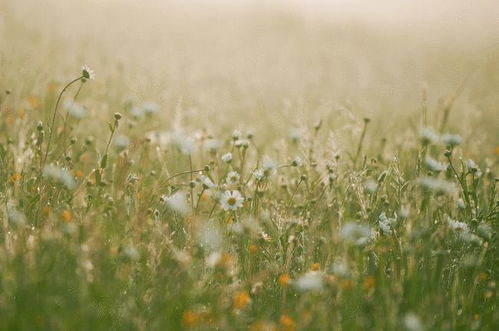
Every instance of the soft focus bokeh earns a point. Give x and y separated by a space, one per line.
249 165
276 63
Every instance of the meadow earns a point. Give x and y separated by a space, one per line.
171 166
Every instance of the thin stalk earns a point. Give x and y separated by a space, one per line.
54 116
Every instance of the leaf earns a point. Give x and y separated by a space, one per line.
103 162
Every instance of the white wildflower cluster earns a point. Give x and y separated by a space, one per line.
463 232
340 269
412 322
371 186
386 224
436 185
74 109
131 253
269 166
355 233
121 143
451 140
295 135
15 217
429 136
59 176
434 165
147 108
473 167
227 158
177 202
212 145
185 144
311 281
207 182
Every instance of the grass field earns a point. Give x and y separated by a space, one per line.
247 167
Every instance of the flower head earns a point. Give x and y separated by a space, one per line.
452 140
297 162
310 281
434 165
269 166
87 73
428 136
227 158
259 174
207 182
185 144
177 202
358 234
436 185
231 200
232 177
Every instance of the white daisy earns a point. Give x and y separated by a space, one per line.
87 72
232 177
236 134
231 200
241 143
294 134
269 166
227 158
177 202
434 165
472 166
259 174
207 182
185 144
452 140
428 136
212 145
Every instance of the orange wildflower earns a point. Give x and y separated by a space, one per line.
15 177
346 284
79 174
241 299
315 266
190 319
253 249
66 216
287 323
34 102
369 282
283 280
261 325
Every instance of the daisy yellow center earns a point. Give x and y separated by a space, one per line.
231 201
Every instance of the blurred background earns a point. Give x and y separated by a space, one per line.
266 64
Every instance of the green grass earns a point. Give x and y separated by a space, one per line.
356 214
